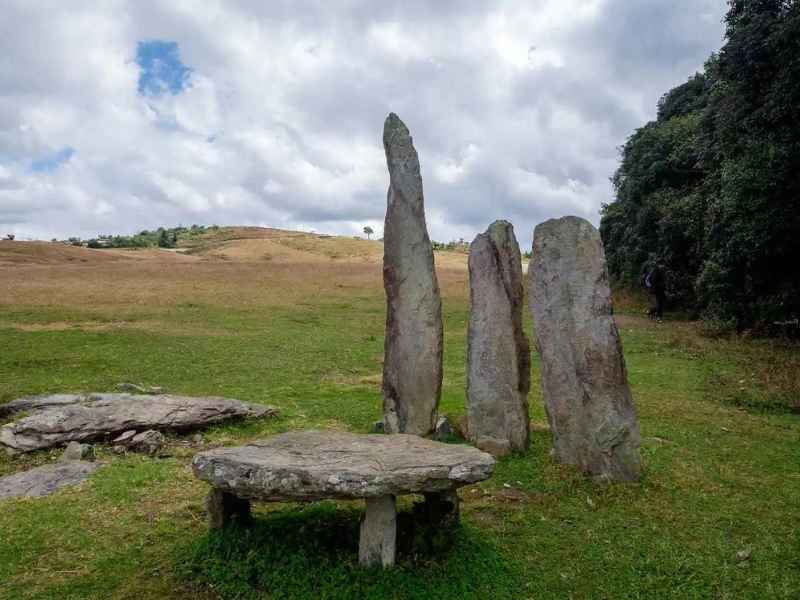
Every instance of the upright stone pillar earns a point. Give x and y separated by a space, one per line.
498 353
412 368
377 542
584 380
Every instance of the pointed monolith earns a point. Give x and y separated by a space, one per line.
498 353
584 380
412 368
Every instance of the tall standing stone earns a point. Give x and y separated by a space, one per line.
584 380
498 353
412 368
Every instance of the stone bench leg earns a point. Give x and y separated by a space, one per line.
442 508
223 507
378 532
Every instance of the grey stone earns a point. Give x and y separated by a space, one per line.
45 480
125 437
119 449
378 427
412 368
76 451
314 465
588 403
444 430
57 420
148 442
223 507
461 427
377 542
36 403
498 352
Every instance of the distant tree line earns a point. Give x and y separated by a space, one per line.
711 188
161 238
459 244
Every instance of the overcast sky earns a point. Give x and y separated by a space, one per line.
118 116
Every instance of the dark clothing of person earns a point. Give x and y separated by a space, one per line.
661 299
655 284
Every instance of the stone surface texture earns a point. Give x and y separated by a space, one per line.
125 437
498 352
42 481
314 465
444 429
149 442
588 403
76 451
56 420
377 540
412 368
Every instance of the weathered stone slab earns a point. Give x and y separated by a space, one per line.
584 380
59 419
315 465
35 403
498 353
42 481
412 368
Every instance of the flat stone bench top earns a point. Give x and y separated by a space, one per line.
314 465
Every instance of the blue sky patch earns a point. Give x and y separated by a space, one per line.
51 162
161 68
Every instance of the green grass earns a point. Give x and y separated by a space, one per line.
721 476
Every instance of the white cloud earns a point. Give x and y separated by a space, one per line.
516 108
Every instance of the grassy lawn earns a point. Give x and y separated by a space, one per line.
721 447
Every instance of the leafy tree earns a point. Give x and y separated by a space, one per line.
165 239
368 231
711 188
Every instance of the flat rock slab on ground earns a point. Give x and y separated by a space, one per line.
314 465
42 481
58 419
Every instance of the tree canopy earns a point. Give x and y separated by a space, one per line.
711 188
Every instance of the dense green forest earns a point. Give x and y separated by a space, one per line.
710 190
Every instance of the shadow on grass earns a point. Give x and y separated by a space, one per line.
312 552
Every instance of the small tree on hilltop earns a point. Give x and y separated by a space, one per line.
369 231
163 239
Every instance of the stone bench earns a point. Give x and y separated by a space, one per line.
316 465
